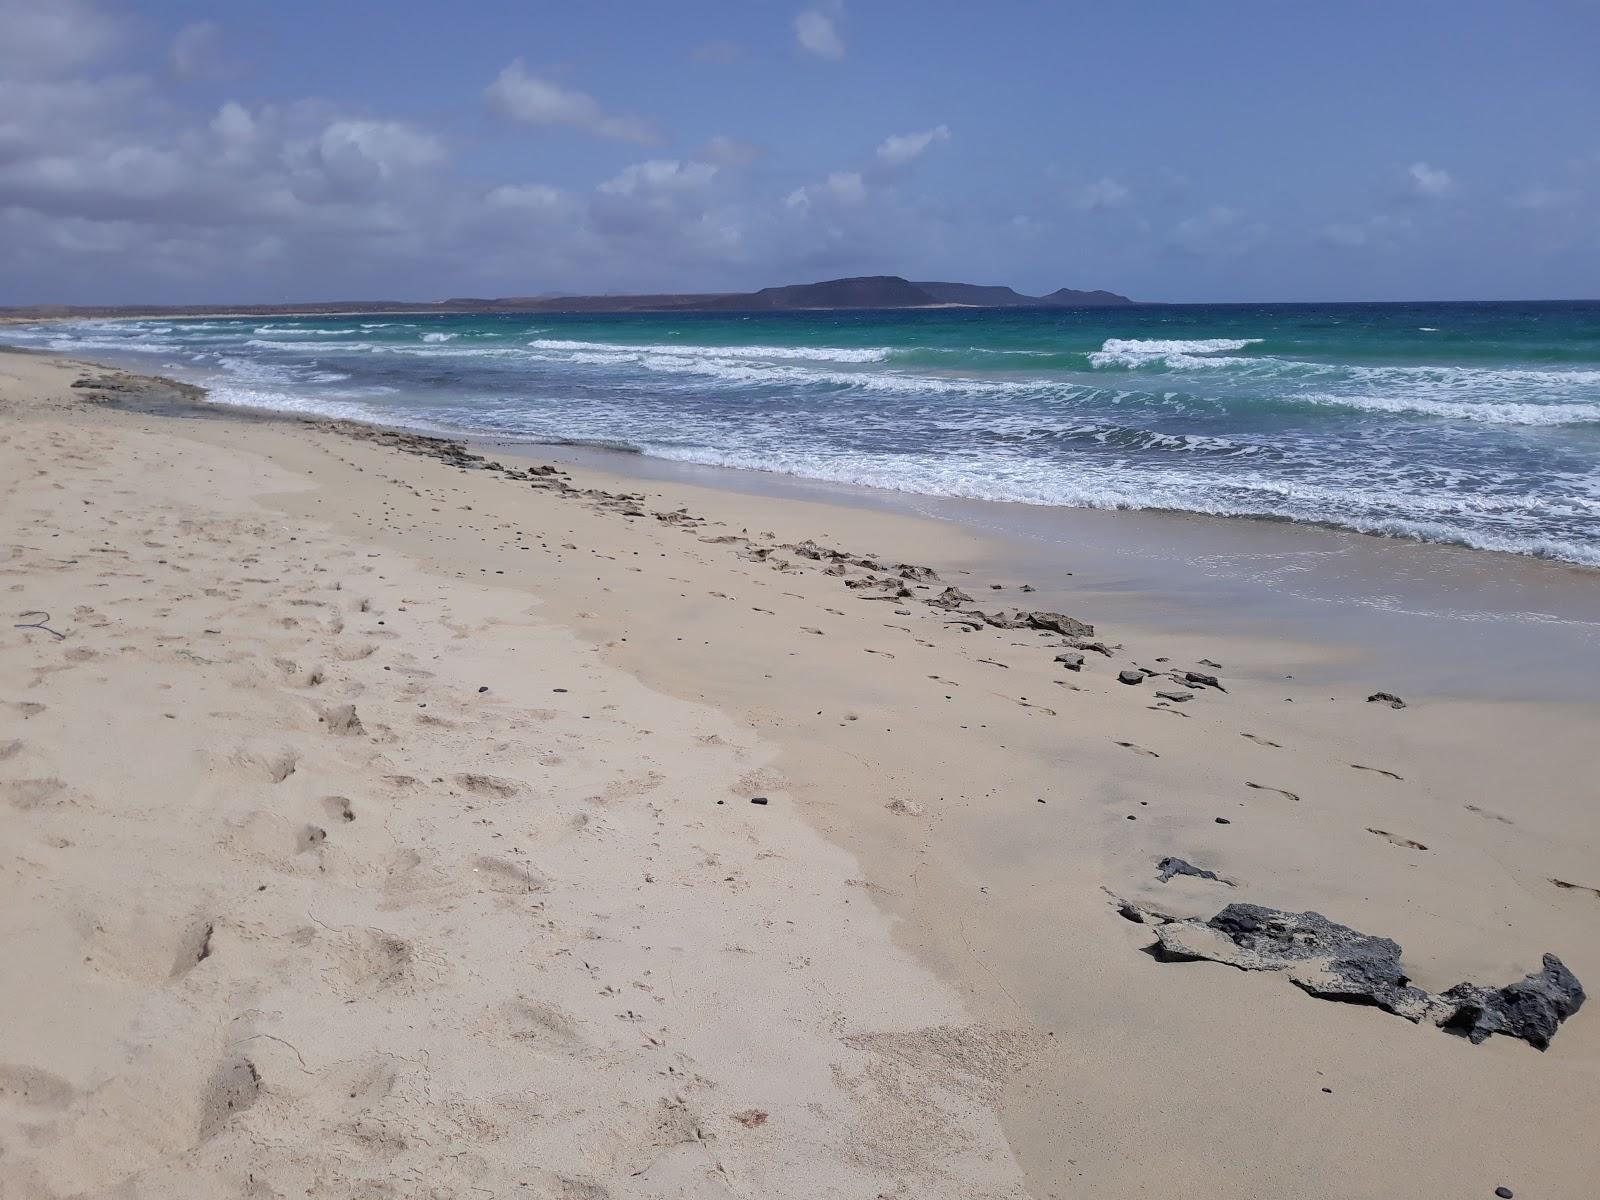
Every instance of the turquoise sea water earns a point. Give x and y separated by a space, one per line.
1469 423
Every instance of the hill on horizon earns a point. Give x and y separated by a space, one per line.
852 292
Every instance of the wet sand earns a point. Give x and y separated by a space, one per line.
947 953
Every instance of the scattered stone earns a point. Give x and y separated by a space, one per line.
1201 679
1059 623
1168 867
758 799
951 598
482 690
1334 962
1130 677
1071 661
1215 666
1176 697
1503 1192
1222 820
1388 698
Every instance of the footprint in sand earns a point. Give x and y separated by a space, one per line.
1377 771
28 1091
1261 787
488 785
507 877
1395 839
193 948
1138 749
1575 887
233 1087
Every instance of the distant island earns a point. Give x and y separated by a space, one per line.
858 292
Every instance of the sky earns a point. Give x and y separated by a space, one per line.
171 151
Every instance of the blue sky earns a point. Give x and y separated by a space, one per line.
181 151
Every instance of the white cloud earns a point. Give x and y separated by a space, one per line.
842 188
39 38
1102 194
659 175
728 152
902 149
196 51
1429 182
530 199
519 96
817 33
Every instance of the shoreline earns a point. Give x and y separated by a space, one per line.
994 800
1398 598
840 489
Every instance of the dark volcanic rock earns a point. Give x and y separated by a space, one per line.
1388 698
1168 867
1319 955
1530 1009
1059 623
1335 962
1130 677
951 598
1200 679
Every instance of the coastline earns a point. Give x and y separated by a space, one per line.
985 794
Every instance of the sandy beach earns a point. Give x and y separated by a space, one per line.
379 820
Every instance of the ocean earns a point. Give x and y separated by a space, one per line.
1476 424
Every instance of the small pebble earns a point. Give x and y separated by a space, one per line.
1503 1192
1223 821
758 799
482 690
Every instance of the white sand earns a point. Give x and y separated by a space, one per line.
540 959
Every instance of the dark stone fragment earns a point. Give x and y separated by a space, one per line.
1168 867
758 799
951 598
1335 962
1071 661
1388 698
1201 679
1503 1192
1222 821
1130 677
1530 1009
1058 623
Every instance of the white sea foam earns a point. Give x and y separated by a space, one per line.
1487 412
438 337
1137 352
302 330
861 354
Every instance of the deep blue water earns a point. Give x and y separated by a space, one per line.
1470 423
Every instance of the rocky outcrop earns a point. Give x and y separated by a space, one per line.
1335 962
